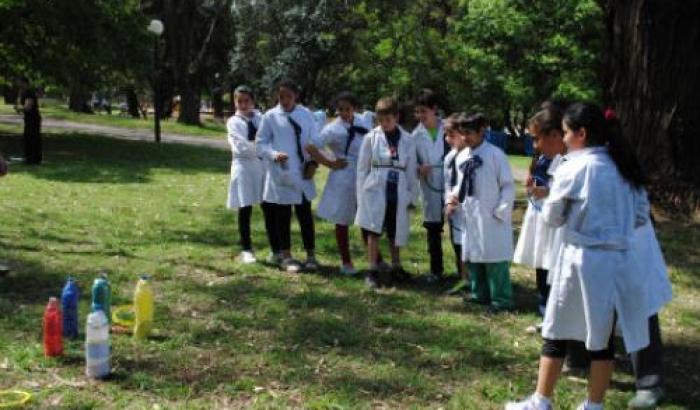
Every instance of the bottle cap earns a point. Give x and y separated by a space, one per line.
145 277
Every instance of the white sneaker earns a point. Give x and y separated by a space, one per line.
531 403
290 265
348 270
247 257
532 329
587 406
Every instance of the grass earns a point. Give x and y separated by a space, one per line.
233 336
56 111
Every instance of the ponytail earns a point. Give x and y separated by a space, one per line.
605 130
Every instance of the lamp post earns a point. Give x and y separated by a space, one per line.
156 28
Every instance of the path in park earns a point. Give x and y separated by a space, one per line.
147 135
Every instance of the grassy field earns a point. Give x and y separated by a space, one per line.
232 336
53 110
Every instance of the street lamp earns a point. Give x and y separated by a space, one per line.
156 28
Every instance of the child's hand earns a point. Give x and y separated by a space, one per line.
539 192
450 209
424 170
339 163
310 169
529 181
281 157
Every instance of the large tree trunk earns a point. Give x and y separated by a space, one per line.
217 102
10 94
79 100
190 101
654 85
132 102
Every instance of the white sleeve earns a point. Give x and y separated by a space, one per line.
263 140
412 172
238 139
556 206
506 188
364 163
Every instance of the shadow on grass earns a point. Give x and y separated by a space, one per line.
71 157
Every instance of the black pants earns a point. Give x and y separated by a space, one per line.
389 223
244 215
278 219
32 141
434 231
542 287
456 247
646 363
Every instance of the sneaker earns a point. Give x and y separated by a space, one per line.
587 406
348 270
531 403
247 257
399 274
274 258
646 399
311 264
372 281
532 329
290 265
460 287
433 278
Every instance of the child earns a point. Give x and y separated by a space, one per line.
486 194
452 177
386 182
597 198
338 204
284 131
432 148
531 250
245 188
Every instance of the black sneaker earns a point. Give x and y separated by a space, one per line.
400 275
372 281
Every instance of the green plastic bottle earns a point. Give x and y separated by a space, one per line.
102 296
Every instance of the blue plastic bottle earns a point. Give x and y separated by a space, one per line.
102 296
69 300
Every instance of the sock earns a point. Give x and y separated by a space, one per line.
589 405
541 401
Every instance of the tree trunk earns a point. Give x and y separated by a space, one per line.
132 102
79 101
10 94
653 84
190 101
217 101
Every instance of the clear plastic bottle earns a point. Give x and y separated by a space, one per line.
97 348
143 308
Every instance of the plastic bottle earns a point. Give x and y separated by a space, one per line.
97 349
69 301
143 308
53 332
102 296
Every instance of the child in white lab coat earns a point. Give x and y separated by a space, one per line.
598 200
338 204
247 171
486 194
386 184
284 132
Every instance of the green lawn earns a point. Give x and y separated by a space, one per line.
232 336
209 127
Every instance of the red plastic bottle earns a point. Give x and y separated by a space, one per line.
53 329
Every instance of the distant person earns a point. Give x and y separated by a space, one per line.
3 166
29 106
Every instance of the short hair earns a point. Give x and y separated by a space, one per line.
244 89
427 98
387 106
464 123
289 84
348 97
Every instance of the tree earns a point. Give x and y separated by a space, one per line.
653 84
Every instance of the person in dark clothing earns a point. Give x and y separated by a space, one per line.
29 106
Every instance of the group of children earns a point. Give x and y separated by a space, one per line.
586 230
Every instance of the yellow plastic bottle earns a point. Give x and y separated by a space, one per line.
143 308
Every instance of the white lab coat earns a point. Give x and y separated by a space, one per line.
556 234
488 231
339 200
431 153
284 183
597 273
653 273
456 220
371 182
531 249
247 170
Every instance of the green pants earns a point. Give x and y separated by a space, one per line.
490 283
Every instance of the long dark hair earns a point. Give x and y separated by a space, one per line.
464 123
607 133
